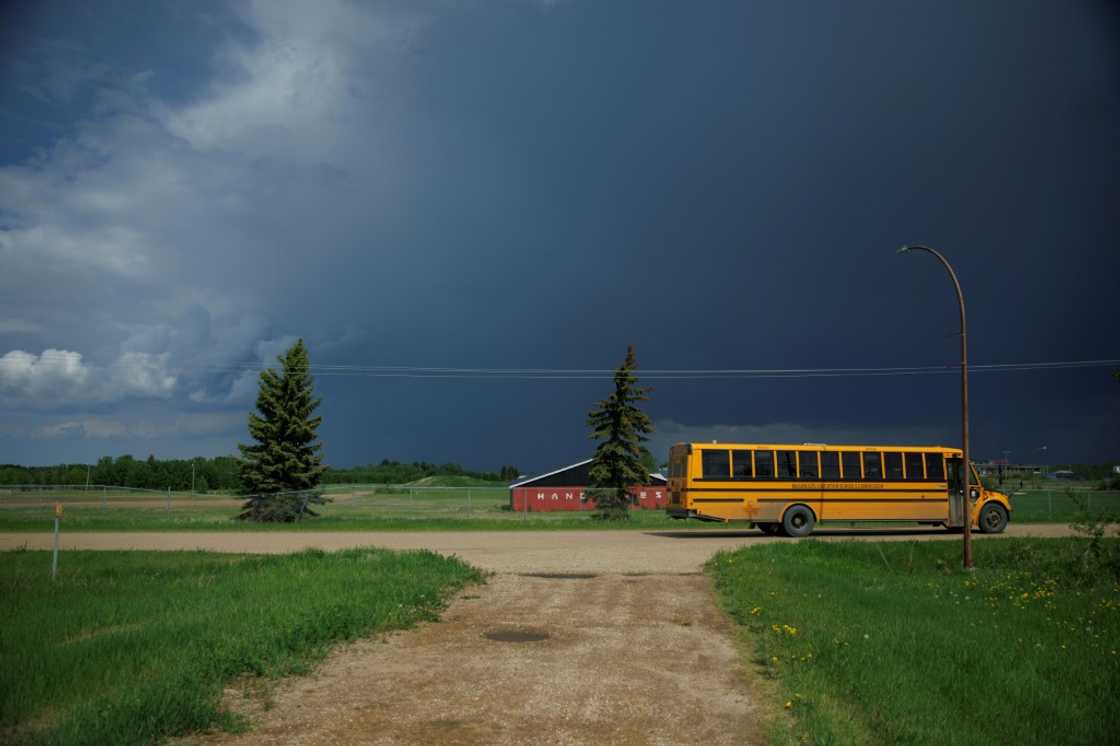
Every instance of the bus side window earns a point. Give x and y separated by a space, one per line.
830 465
935 467
872 465
914 470
715 464
808 468
893 463
741 465
764 464
787 464
850 460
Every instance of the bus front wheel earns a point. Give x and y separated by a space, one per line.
798 521
993 519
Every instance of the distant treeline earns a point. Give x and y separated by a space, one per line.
394 472
125 471
220 473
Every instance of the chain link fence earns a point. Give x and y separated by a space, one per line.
26 506
1062 505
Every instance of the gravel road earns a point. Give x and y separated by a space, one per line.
609 659
501 551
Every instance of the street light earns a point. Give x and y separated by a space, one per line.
964 399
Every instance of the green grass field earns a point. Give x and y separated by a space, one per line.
353 508
423 507
886 643
129 647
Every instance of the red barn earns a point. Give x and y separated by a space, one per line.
563 489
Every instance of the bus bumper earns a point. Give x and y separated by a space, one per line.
685 513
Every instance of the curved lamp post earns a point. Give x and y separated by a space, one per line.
964 400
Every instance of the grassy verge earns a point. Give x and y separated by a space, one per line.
129 647
889 643
209 519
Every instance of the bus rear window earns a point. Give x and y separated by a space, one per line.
716 464
676 465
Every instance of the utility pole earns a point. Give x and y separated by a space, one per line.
967 558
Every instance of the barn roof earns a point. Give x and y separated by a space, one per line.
530 480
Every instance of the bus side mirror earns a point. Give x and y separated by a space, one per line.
974 493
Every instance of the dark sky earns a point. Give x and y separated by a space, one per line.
187 187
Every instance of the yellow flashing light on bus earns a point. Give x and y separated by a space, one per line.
785 488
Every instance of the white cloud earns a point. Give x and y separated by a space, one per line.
56 378
55 374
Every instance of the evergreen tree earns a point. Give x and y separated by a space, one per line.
282 469
621 428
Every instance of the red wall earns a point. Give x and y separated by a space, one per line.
546 499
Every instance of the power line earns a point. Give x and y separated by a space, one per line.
595 374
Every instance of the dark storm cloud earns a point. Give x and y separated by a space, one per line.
471 185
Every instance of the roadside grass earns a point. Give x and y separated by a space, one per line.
131 647
380 509
891 643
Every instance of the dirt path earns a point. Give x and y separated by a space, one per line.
624 660
621 658
499 551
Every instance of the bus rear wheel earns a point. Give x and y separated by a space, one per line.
798 521
993 519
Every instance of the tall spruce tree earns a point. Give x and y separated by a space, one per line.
282 469
621 428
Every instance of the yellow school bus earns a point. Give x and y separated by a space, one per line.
788 489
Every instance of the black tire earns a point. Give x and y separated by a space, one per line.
993 518
798 521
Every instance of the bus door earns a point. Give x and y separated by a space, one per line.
956 491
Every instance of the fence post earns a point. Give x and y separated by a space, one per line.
468 499
54 556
